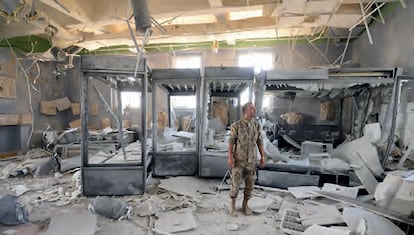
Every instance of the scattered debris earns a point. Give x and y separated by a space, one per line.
259 205
11 212
72 224
20 189
10 232
182 185
351 192
110 207
303 192
232 227
376 225
290 224
7 170
47 167
320 230
176 221
321 215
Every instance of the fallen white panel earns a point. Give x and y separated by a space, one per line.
271 151
176 221
20 189
344 20
386 190
322 215
334 164
320 230
184 134
376 225
351 192
72 224
302 192
183 185
365 175
403 201
259 205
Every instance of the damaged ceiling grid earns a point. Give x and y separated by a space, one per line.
96 24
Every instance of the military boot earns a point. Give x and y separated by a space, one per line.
232 207
245 207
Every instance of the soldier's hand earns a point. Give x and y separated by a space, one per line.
262 163
230 161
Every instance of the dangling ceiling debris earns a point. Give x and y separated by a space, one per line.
95 24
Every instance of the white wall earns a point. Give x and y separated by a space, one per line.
284 57
393 42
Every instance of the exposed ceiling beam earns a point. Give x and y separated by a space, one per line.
198 29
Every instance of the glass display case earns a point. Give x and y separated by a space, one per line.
225 90
175 121
121 163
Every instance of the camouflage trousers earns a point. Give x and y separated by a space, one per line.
246 170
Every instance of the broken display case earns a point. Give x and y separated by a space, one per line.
175 121
317 105
127 172
225 90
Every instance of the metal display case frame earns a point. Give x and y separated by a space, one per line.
121 74
227 82
175 82
336 78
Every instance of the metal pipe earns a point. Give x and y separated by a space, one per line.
365 22
318 50
403 4
380 13
120 128
144 122
84 90
397 97
108 108
346 47
366 16
141 15
147 33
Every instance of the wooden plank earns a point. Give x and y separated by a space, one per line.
8 154
75 108
15 119
25 119
7 88
48 107
75 123
62 103
9 119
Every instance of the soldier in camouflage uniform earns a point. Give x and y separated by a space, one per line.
245 138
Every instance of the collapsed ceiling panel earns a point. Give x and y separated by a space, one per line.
102 23
256 11
176 6
300 7
344 21
190 19
302 21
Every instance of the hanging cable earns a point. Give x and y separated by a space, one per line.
29 93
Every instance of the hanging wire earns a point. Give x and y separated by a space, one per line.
28 91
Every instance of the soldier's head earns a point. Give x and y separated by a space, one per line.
249 111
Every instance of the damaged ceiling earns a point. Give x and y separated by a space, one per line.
104 23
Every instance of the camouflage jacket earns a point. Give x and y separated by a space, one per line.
246 136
